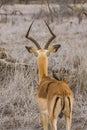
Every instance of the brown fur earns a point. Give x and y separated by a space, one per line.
59 88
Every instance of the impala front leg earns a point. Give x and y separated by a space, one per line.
45 121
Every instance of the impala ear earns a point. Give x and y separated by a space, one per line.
32 50
54 48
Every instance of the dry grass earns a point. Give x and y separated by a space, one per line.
18 70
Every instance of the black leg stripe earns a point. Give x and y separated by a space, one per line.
69 103
55 105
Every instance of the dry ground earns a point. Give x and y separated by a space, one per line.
18 70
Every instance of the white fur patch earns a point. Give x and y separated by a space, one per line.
45 112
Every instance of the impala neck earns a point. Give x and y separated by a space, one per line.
42 66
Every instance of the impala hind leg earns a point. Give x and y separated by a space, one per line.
45 121
53 123
68 122
54 111
68 113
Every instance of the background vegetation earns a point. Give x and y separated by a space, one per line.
18 69
39 1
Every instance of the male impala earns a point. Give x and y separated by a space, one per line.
54 97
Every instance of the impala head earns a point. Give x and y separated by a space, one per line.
39 51
42 54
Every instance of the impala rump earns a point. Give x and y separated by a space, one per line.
56 92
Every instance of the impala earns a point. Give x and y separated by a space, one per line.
54 97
